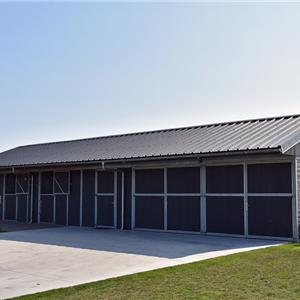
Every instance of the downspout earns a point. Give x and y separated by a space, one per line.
122 200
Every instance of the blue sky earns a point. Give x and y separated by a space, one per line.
77 70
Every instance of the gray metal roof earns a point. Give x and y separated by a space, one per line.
278 134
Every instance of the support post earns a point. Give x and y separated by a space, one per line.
28 195
203 199
31 199
81 195
68 197
4 198
115 198
165 199
17 197
133 199
245 168
96 199
39 198
54 199
122 196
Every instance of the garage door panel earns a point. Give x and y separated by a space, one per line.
224 179
47 206
10 183
183 180
105 182
105 211
74 199
225 215
47 183
149 212
22 208
88 201
22 183
61 183
61 209
149 181
270 216
184 213
10 207
269 178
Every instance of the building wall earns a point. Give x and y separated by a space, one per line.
166 191
298 190
257 205
1 195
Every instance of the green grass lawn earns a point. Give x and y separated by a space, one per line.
272 273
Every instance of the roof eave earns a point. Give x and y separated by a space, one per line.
275 150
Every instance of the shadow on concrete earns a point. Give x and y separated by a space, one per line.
164 245
8 226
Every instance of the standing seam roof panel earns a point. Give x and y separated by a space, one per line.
267 140
280 132
255 134
260 134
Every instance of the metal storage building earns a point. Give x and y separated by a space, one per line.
237 178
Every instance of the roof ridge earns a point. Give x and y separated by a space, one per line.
163 130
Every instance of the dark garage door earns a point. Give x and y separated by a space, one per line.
105 199
184 213
47 208
183 206
88 200
225 215
22 189
47 198
61 191
22 208
149 212
149 199
270 216
10 197
225 206
10 207
270 209
61 209
74 199
174 206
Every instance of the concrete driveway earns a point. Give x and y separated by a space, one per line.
43 259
